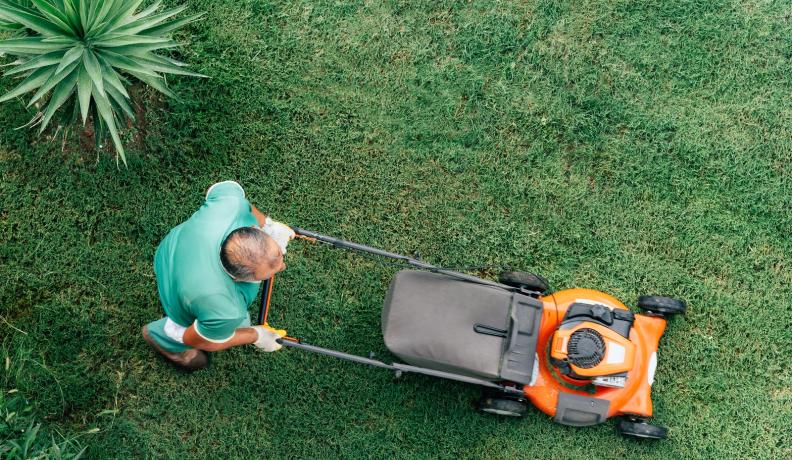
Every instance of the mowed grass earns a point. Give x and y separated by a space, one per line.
630 147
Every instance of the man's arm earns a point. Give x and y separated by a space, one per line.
242 336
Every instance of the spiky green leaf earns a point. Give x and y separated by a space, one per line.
62 40
92 12
173 61
145 13
106 113
121 101
29 45
51 82
121 14
8 25
139 50
94 71
84 86
31 19
82 9
44 60
145 22
123 62
106 7
169 27
37 78
160 64
54 15
111 77
71 11
70 56
157 83
116 40
60 95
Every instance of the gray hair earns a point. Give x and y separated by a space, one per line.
243 250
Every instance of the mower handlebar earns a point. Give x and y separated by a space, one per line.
335 242
398 367
359 247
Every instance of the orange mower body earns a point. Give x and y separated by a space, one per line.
634 399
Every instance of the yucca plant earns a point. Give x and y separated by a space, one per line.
90 48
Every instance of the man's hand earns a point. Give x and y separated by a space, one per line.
279 232
267 337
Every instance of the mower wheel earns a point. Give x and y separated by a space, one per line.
641 429
502 406
661 306
524 280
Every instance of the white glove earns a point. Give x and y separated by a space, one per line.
279 232
267 337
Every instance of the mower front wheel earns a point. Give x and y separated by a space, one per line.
658 305
641 429
524 280
502 406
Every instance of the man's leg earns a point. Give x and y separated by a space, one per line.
182 356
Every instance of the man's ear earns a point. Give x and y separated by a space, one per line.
226 271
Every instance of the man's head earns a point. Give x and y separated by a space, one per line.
248 254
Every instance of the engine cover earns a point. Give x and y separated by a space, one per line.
593 341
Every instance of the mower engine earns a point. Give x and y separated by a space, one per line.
593 343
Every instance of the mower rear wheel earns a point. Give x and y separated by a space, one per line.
641 429
661 306
502 406
524 280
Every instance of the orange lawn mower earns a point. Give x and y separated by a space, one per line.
578 355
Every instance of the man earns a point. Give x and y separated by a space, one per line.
209 270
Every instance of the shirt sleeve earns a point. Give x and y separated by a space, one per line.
215 321
225 188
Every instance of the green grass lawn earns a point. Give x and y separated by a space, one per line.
631 147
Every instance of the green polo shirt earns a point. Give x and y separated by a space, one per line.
193 286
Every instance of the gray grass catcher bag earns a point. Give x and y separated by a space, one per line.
430 320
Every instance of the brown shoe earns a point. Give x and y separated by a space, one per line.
187 361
